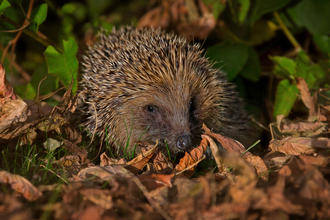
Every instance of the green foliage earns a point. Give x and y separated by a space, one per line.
288 68
314 15
4 5
234 59
245 31
286 95
64 66
38 16
262 7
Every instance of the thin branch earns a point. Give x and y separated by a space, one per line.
287 33
45 41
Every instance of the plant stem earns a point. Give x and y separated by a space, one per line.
287 32
43 40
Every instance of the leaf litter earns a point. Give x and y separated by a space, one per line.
291 181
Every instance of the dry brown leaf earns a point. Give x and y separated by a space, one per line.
137 164
12 112
311 189
104 173
191 159
157 17
245 182
276 159
37 109
275 199
306 97
20 185
300 145
74 149
258 164
161 164
215 152
227 143
153 181
304 129
106 161
100 197
6 90
191 19
227 210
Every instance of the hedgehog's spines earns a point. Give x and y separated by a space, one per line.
129 68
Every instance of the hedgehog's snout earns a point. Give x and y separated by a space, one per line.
184 142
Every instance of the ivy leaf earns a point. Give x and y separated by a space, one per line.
285 97
64 66
3 6
38 16
229 57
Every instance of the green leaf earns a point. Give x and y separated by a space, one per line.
38 16
217 7
262 7
76 9
3 6
323 41
230 57
38 80
313 74
243 10
252 68
314 14
284 67
64 66
285 98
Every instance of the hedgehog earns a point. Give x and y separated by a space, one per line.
148 85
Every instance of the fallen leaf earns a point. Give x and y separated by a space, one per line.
137 164
106 161
191 159
100 197
104 173
20 185
306 97
300 129
300 145
153 181
6 90
227 143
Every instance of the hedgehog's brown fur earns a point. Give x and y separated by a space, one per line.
129 70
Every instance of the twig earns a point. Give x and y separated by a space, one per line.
38 37
287 32
19 69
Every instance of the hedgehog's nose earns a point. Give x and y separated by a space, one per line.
184 142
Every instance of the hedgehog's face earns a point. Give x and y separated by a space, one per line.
169 116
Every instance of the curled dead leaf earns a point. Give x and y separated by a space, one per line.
137 164
191 159
191 19
153 181
20 185
6 90
300 145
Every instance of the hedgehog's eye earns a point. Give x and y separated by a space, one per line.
151 108
192 109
